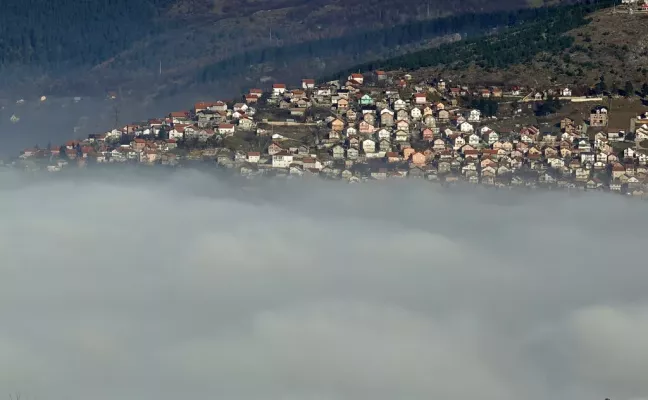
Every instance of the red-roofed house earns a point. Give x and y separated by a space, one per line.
226 129
253 156
179 116
308 84
201 106
278 88
138 144
357 78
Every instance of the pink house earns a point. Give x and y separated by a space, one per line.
392 157
418 158
407 153
428 134
366 128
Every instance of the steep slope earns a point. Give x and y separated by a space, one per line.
572 45
100 44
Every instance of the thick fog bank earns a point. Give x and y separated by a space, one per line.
150 287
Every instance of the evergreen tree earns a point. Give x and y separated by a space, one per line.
600 87
644 89
628 89
163 134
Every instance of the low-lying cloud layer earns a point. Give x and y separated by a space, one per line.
193 287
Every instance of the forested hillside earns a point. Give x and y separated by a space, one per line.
545 35
358 45
72 33
100 44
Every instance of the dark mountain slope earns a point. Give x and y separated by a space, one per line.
95 44
71 33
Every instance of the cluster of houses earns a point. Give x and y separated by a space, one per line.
377 127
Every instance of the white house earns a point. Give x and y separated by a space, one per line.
384 134
358 78
282 160
240 107
466 127
429 121
369 146
491 137
338 152
629 153
226 129
459 142
566 92
416 113
401 136
473 140
474 116
176 133
308 84
253 156
278 89
420 98
114 134
400 104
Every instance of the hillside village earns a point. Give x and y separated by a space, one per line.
379 126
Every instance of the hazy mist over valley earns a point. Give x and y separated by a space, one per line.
160 285
54 120
492 248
